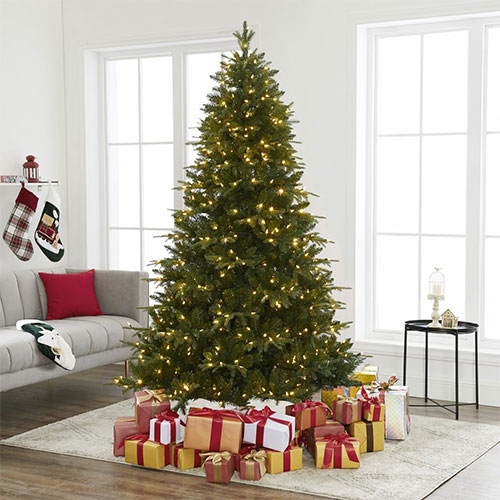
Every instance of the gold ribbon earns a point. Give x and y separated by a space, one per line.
215 456
157 396
259 457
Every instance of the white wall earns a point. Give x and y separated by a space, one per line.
32 119
312 42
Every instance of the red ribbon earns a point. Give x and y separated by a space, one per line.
166 416
142 438
262 416
287 460
333 450
369 401
217 415
307 404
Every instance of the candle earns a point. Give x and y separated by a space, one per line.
436 290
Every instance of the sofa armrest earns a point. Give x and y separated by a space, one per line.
120 293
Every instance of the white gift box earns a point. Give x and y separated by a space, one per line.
277 436
397 414
166 431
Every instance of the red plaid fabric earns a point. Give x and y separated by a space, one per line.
16 232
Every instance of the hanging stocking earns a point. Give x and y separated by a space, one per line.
16 231
47 232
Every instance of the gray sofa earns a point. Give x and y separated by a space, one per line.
95 340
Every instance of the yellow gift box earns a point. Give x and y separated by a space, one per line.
343 456
370 435
146 453
284 461
184 458
366 376
373 412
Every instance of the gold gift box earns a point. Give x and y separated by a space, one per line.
366 376
199 431
153 453
184 458
369 413
346 462
284 461
370 435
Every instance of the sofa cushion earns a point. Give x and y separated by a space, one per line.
84 334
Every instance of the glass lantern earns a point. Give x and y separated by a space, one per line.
436 285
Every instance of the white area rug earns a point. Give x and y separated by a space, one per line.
406 470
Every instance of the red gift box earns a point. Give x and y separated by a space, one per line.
253 465
147 405
218 466
123 428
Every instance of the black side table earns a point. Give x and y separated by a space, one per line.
464 327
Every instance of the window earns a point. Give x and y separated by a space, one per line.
431 133
152 112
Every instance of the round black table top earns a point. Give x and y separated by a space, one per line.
422 325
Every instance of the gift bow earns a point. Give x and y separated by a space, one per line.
142 438
333 449
215 457
167 415
155 395
262 416
346 399
385 386
308 404
216 414
367 400
259 457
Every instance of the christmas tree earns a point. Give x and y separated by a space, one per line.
244 306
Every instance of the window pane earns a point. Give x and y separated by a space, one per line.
124 249
491 288
199 85
493 81
445 82
398 84
397 184
493 185
396 281
443 184
448 254
122 100
158 183
156 99
154 248
123 188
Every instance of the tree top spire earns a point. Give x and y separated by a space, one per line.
244 37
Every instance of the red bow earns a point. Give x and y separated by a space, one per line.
368 401
308 404
333 450
167 415
262 416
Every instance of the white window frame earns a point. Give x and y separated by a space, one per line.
179 53
475 173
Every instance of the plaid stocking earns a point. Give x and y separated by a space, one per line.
16 231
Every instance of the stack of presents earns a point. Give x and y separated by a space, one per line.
347 422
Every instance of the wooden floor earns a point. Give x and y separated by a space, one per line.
39 475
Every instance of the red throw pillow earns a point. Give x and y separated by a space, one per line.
70 295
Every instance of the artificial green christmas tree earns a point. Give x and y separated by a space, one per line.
244 308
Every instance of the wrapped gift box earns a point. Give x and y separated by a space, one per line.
269 429
140 451
147 404
308 414
253 465
244 450
370 435
184 458
330 427
284 461
218 466
373 408
123 428
347 410
337 452
397 415
214 430
367 375
165 428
